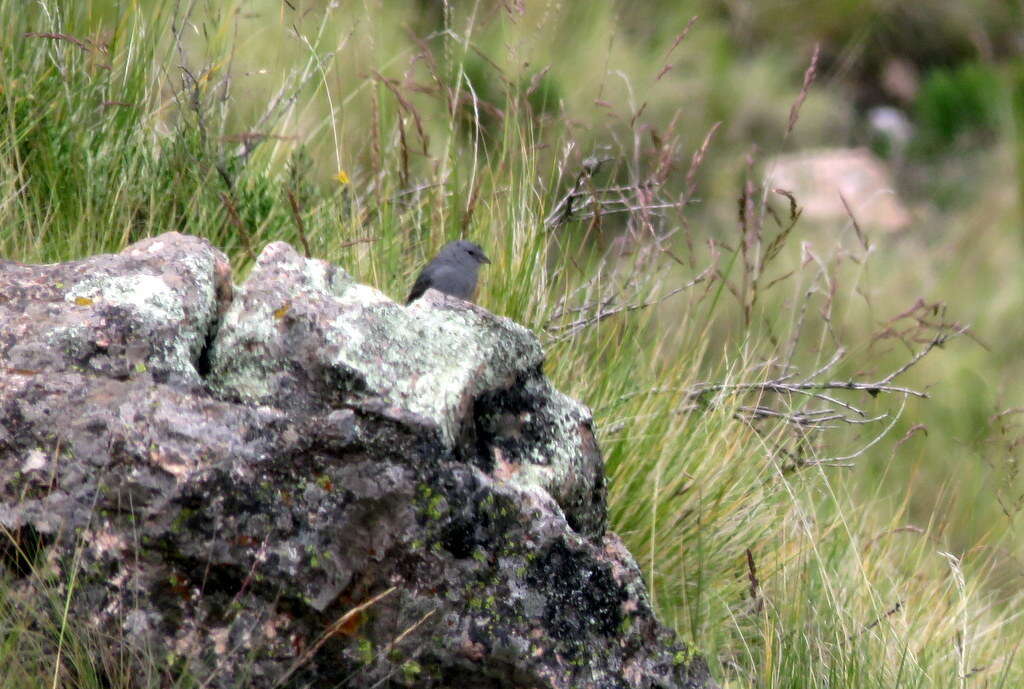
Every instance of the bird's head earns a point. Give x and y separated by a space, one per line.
462 249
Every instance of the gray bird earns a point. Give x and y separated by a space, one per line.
453 271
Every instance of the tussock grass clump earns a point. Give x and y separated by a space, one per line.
734 383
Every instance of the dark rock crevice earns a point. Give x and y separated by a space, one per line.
20 550
202 363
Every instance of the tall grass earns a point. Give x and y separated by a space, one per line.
371 144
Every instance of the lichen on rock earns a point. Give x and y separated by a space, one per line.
146 311
299 482
302 336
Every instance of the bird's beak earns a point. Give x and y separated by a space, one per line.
484 259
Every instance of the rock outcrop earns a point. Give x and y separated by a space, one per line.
298 482
833 184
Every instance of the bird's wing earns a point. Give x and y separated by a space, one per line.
418 287
425 280
446 277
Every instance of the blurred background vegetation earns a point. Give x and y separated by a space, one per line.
373 131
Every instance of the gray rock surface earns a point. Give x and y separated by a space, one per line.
302 336
149 309
335 491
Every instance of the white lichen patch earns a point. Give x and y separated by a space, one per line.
150 302
364 295
148 294
327 278
248 376
430 360
558 460
535 476
35 461
310 275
